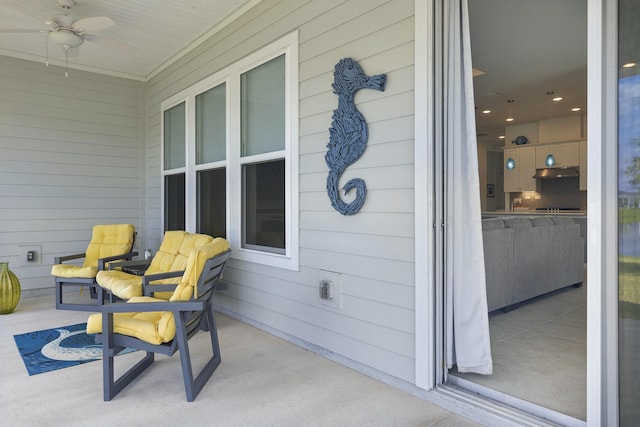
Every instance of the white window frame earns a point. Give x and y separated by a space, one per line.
230 75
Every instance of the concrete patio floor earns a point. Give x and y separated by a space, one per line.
262 381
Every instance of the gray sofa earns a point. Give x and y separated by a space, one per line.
526 257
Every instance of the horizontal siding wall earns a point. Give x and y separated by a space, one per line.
371 252
71 156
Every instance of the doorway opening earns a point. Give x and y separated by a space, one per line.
530 93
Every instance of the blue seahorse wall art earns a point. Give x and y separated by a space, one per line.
348 134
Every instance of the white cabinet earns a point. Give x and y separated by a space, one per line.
520 178
567 128
583 165
564 153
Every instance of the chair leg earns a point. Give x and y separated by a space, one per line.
58 295
194 386
110 385
61 305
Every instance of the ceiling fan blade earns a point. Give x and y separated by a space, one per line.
96 23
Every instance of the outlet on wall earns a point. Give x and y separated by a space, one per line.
29 255
329 285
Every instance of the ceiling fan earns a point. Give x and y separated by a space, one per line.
67 32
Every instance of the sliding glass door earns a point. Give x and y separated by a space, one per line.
629 211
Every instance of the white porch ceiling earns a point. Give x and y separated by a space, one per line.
156 32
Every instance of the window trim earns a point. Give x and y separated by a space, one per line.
230 76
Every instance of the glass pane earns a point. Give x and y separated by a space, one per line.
212 194
211 125
262 108
629 210
174 205
263 206
174 137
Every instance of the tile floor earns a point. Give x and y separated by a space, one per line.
539 352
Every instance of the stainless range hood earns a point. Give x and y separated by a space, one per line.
554 173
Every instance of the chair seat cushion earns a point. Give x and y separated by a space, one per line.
121 284
154 327
72 271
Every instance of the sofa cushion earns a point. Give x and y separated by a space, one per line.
562 220
517 222
492 224
542 221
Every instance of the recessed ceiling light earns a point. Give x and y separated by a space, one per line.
508 119
629 65
556 99
486 111
501 137
576 109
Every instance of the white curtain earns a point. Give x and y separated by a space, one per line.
467 323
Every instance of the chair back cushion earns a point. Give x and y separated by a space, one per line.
188 286
106 240
174 251
109 240
171 256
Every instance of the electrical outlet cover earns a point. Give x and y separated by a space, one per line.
23 251
336 288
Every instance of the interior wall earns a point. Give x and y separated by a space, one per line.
495 177
555 193
71 156
370 255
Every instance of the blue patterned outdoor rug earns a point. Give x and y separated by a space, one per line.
57 348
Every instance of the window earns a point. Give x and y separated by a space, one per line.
230 158
174 161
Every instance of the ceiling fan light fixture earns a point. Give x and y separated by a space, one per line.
65 38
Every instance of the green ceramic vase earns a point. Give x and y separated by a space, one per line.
9 289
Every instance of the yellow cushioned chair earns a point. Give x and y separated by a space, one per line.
158 326
109 242
166 267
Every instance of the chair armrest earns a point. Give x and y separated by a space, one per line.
60 259
148 289
103 261
148 278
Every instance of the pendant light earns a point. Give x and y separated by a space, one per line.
510 116
511 164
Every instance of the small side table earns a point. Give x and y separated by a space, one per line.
138 270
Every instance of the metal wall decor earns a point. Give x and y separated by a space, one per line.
348 133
